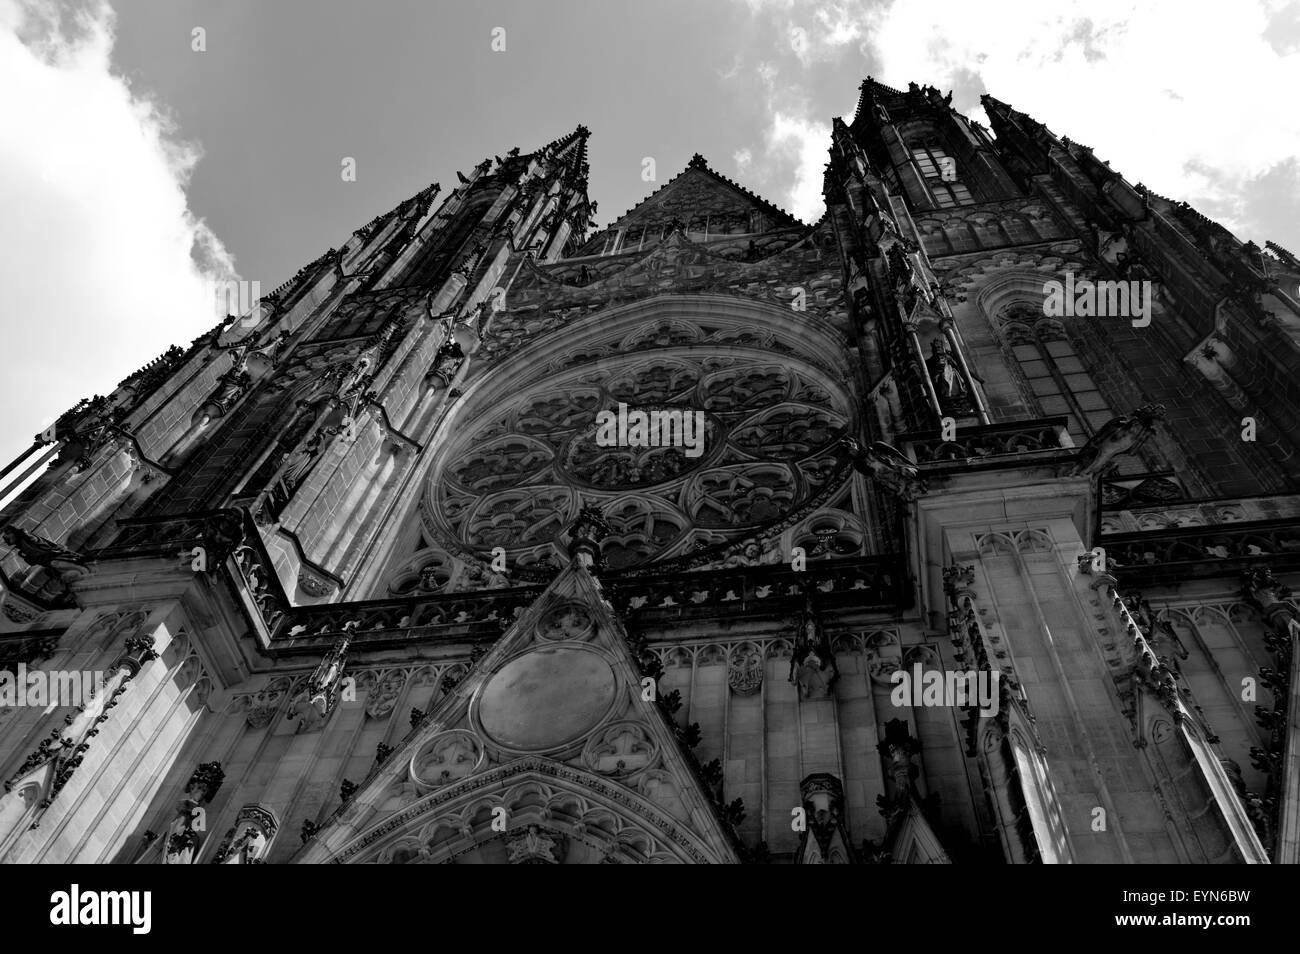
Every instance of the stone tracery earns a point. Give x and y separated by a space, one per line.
517 473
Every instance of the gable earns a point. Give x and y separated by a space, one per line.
548 751
699 201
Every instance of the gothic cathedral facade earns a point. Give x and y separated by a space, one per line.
955 527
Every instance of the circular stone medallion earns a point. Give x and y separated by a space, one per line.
568 621
546 698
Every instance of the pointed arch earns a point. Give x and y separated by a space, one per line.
446 824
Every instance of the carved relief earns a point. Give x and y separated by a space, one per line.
381 700
568 621
884 657
535 846
621 749
447 757
745 668
262 705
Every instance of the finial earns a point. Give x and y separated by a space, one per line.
586 531
698 162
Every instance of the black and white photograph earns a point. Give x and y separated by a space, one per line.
743 432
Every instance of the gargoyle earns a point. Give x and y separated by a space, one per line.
887 465
38 551
1119 435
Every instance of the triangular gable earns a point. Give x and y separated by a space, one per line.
547 751
914 841
699 201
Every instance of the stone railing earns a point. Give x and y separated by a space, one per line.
230 538
865 582
231 533
1169 556
465 615
1181 513
973 444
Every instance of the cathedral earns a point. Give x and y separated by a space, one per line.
959 526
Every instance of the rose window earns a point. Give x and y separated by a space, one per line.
517 471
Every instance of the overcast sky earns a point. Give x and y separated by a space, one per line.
132 167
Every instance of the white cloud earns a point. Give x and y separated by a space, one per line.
1100 74
841 24
1188 97
799 43
742 158
731 71
98 257
804 144
1177 94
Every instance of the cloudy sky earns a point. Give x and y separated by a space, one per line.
133 167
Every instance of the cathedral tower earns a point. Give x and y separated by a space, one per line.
708 536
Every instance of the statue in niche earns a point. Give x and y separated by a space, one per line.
812 664
299 463
946 377
230 388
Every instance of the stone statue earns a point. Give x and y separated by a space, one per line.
1119 435
299 463
812 664
886 465
38 551
946 377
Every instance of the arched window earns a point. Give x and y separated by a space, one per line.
443 251
1052 373
942 174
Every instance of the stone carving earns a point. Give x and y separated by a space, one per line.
535 846
184 834
261 583
262 705
949 385
621 749
447 757
745 669
812 663
313 584
299 463
249 840
1120 435
887 466
883 656
313 703
974 443
38 551
17 613
381 700
568 621
823 803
